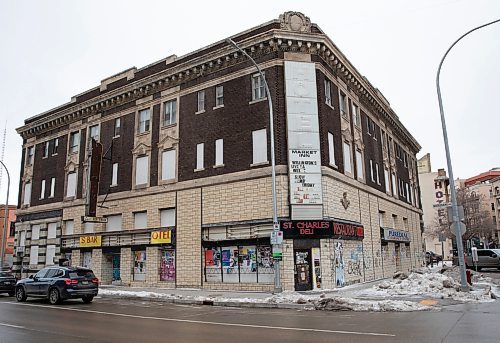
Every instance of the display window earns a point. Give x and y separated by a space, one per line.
167 265
213 260
230 266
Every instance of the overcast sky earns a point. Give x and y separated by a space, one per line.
52 50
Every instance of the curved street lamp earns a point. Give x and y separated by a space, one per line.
455 219
5 219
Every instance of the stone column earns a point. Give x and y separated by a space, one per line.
76 258
126 264
287 266
152 266
97 263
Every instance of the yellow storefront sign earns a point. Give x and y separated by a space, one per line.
90 241
159 237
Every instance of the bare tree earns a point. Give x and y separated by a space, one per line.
477 218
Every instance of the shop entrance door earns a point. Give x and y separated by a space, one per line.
397 252
115 260
303 279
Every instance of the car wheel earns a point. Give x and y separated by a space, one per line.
54 297
87 299
20 294
12 293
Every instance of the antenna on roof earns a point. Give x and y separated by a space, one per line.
3 152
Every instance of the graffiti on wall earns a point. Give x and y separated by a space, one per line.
339 264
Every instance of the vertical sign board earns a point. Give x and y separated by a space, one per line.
304 158
94 177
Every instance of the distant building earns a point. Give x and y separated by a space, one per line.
185 182
9 243
434 190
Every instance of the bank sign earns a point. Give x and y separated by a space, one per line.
293 229
90 241
396 235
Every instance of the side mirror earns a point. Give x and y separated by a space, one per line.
31 276
494 256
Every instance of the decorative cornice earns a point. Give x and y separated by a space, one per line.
295 36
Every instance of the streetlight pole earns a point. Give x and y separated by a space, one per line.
277 278
454 207
6 218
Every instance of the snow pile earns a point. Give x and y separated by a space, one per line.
434 284
351 304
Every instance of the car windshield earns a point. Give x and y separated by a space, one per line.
81 273
496 251
5 274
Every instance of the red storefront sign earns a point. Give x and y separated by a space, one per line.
293 229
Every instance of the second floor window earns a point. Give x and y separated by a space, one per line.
71 185
114 175
258 87
201 101
342 104
144 120
259 146
94 132
27 193
219 96
219 152
29 156
141 170
74 142
199 155
52 187
42 190
355 115
169 112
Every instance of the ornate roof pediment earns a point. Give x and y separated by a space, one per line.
168 142
295 21
141 149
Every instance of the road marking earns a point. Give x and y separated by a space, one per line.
283 328
13 326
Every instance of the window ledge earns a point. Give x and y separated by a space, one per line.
199 112
257 100
54 154
168 126
330 105
198 170
141 186
217 107
167 182
117 136
113 185
258 164
333 165
219 166
73 152
143 133
70 198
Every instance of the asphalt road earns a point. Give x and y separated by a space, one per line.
113 320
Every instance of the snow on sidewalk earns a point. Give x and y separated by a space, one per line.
381 297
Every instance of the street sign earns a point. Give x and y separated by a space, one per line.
461 214
277 253
442 205
442 237
276 237
276 226
89 219
463 228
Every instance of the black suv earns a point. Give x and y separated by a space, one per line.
59 283
7 282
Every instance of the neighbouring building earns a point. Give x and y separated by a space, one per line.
435 197
185 181
10 232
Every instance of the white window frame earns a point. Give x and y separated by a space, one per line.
141 176
22 239
52 187
200 100
30 152
71 185
219 152
115 223
331 149
377 173
69 227
55 147
200 152
35 231
88 227
51 230
359 165
117 127
74 142
169 112
259 146
355 115
27 193
387 181
97 135
144 120
141 220
372 178
42 190
258 87
346 149
343 104
114 175
219 96
394 187
168 164
167 217
328 92
46 150
34 255
50 253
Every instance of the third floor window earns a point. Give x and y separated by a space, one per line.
74 142
201 101
258 87
169 112
29 157
219 96
144 120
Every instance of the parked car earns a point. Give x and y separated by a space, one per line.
487 258
59 283
7 282
431 257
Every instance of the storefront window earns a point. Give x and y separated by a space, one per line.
241 263
140 265
167 265
87 259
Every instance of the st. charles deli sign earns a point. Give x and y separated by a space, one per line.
396 235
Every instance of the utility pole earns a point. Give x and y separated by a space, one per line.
455 217
5 219
277 277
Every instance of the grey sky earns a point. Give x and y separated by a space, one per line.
52 50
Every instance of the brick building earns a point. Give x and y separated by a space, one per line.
185 182
10 232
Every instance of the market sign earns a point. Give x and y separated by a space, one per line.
396 235
90 241
293 229
161 237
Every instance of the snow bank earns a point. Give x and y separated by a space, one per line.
351 304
